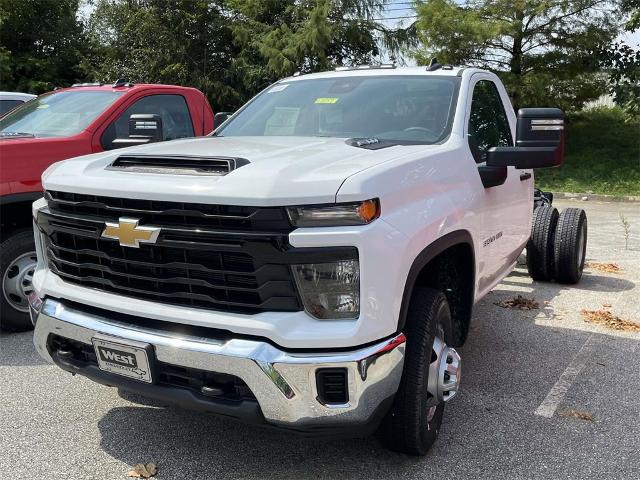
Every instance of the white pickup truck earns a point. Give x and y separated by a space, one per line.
313 263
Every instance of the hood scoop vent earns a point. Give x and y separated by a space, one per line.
177 164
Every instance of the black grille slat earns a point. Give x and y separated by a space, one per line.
224 269
228 217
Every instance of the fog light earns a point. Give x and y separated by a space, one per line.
330 290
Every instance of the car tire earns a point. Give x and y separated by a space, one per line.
17 264
413 423
570 245
540 247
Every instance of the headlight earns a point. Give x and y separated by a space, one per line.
330 290
342 214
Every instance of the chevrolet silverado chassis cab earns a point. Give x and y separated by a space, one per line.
312 264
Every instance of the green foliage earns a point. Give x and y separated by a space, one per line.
544 50
41 45
231 49
632 8
603 150
623 64
183 42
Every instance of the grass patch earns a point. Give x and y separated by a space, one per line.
602 155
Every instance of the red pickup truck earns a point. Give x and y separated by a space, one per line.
65 123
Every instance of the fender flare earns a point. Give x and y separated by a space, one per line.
429 253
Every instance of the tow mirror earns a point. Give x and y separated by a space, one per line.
143 128
539 141
220 117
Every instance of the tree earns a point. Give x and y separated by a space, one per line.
231 49
309 35
42 45
545 51
623 64
183 42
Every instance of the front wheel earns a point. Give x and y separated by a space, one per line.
431 376
17 264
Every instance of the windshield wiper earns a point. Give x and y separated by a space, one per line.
16 134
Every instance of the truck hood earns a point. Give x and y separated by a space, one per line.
282 171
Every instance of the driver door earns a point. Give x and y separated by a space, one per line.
504 193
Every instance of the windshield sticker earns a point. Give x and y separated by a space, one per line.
282 121
44 105
326 100
278 88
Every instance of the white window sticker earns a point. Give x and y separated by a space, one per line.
282 121
278 88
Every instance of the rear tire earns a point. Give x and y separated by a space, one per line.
412 426
570 245
17 263
540 248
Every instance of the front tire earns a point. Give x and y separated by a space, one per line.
17 264
413 423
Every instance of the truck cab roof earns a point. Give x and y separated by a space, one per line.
381 70
123 86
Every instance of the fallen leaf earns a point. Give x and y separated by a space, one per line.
140 470
588 416
606 305
609 320
519 303
604 267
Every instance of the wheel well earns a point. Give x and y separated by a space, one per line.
452 271
14 216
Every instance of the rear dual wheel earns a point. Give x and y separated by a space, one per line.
540 259
557 246
570 245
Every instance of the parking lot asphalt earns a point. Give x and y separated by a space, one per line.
525 372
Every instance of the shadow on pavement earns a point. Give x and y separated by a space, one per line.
511 363
193 445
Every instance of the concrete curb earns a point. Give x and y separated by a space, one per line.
596 197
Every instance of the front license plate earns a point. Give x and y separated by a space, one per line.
126 358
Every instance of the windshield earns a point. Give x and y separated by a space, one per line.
402 109
57 114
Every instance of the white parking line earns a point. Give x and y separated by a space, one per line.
549 405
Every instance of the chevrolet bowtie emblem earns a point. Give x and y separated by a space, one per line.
129 234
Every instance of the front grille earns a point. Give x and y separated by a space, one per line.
206 256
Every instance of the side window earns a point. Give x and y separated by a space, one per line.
176 120
488 122
6 105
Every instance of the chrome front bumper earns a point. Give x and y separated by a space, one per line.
284 383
